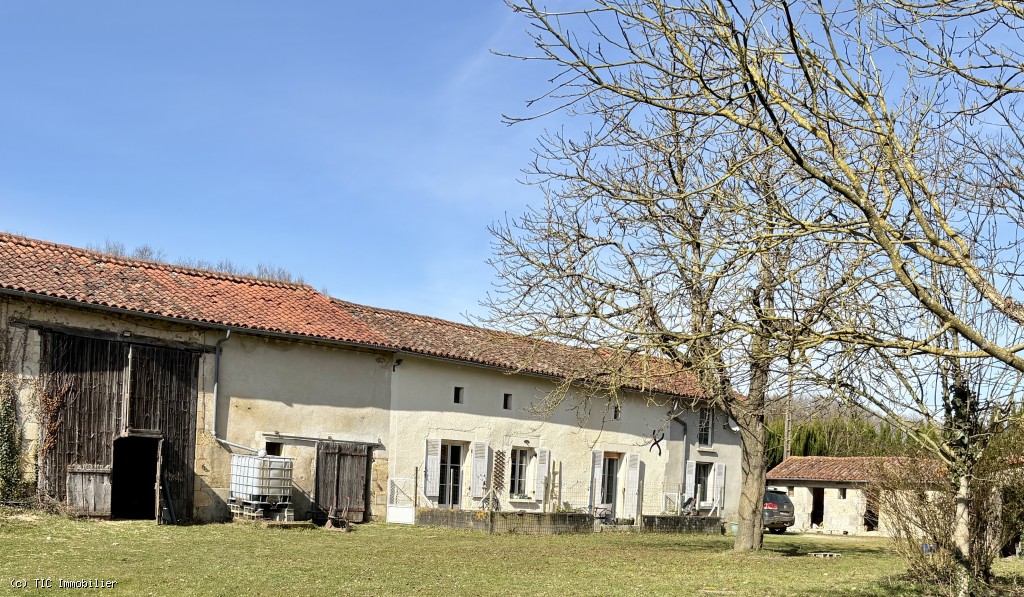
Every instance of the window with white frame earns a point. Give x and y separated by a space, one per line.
609 478
519 477
705 427
704 481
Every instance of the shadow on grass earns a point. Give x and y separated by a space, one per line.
802 550
1004 586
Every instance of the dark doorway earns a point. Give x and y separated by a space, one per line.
871 511
134 482
817 505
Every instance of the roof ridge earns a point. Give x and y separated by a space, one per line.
158 265
429 318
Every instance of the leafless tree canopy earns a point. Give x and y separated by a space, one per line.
146 252
762 191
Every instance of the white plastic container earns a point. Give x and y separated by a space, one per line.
261 478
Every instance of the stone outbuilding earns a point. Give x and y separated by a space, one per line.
831 494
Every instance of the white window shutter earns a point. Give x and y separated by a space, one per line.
597 461
632 500
691 479
543 463
479 481
720 483
432 469
712 487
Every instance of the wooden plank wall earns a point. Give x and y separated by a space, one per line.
89 490
90 373
341 478
82 379
173 381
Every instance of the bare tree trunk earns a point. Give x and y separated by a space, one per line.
749 414
750 534
962 536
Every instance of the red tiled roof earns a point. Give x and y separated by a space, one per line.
447 339
826 468
852 468
49 270
192 295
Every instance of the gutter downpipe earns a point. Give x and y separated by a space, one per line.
216 395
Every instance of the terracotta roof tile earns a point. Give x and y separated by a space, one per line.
50 270
191 295
852 468
447 339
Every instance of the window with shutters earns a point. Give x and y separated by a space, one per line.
705 427
520 464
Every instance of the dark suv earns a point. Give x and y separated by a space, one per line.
778 511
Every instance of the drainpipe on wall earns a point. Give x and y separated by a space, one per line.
216 395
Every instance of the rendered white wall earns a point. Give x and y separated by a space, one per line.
423 407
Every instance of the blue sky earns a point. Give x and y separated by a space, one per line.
357 144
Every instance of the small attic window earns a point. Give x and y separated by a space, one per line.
506 402
458 395
617 412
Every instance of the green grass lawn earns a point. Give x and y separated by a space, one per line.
378 559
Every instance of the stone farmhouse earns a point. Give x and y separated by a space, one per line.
136 381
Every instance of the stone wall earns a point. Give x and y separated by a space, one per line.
525 523
681 524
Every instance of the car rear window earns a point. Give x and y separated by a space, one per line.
777 498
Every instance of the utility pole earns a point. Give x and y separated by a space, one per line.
788 433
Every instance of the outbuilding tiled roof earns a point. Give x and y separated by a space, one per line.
856 469
827 468
51 271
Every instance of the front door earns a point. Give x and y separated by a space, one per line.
609 486
451 475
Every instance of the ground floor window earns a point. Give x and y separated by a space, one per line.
450 481
609 472
704 479
519 465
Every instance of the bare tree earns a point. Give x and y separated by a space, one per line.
893 129
662 249
146 252
116 248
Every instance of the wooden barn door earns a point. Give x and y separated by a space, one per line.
341 479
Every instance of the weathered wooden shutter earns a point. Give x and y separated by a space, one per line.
543 463
632 500
432 469
691 479
479 480
720 483
341 469
88 489
596 461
